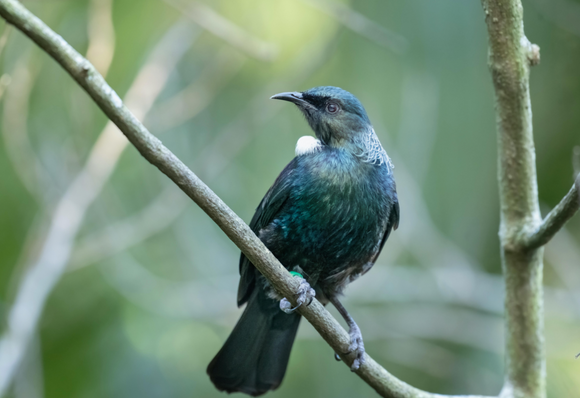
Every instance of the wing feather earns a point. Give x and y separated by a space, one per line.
266 212
392 223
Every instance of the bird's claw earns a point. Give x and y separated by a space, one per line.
356 346
305 294
286 306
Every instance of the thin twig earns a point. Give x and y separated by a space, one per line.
128 232
560 214
555 219
157 154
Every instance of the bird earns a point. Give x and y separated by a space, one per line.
326 218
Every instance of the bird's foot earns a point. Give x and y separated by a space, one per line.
305 294
357 346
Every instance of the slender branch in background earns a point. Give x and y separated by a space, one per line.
415 299
5 81
128 232
36 233
193 99
225 29
20 151
4 37
208 298
101 35
555 219
29 382
152 149
67 218
360 24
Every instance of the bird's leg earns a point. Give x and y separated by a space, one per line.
356 340
305 294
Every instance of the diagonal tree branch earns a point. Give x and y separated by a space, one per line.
157 154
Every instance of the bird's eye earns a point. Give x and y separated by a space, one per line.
332 108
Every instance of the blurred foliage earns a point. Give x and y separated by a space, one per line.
145 320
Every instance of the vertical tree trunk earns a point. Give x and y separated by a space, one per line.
510 57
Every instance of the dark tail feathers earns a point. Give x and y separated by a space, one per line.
254 358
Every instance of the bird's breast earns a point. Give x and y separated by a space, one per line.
335 217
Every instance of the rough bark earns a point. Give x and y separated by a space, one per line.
510 57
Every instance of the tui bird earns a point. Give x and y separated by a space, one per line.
326 218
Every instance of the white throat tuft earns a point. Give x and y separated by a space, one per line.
306 145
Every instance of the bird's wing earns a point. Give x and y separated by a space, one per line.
267 210
392 223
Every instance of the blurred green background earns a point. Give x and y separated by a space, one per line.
148 294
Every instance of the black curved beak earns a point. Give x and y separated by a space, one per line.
294 97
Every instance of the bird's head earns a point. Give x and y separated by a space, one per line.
336 116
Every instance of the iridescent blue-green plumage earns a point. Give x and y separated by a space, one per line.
327 216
